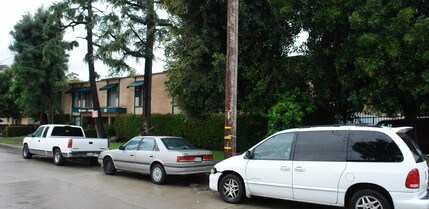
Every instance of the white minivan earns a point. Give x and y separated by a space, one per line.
358 167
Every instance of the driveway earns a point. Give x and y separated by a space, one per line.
37 183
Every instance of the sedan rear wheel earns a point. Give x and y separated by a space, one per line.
231 188
157 174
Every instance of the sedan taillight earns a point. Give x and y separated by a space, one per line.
194 158
185 158
208 157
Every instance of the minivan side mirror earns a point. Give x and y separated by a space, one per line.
248 155
121 147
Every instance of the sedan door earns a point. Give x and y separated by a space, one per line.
125 158
269 171
145 155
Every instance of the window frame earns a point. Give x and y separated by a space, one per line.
338 158
268 140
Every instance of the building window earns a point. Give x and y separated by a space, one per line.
87 99
76 99
138 93
112 97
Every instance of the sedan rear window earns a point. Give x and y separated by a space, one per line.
177 144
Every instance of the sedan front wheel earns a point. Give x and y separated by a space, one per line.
108 166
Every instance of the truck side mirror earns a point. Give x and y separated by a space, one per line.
121 147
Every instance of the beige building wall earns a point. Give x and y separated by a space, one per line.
161 102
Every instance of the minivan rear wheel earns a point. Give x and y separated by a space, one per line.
367 199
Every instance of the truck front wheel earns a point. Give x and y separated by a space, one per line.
58 157
26 154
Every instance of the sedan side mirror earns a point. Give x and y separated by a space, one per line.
121 147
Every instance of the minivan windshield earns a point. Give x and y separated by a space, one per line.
417 153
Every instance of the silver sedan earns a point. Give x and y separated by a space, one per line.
158 156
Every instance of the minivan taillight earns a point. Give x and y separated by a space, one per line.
413 179
70 144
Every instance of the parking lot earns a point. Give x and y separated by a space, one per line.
37 183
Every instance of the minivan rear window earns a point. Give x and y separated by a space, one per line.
412 145
372 146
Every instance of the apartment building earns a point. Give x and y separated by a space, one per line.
117 96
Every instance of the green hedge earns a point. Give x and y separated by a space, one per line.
11 131
127 126
207 133
91 133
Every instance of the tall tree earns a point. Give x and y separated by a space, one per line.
80 12
196 49
40 64
390 43
8 106
130 31
372 53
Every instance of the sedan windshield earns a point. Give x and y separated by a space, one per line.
177 143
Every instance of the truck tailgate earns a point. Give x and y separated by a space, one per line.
89 144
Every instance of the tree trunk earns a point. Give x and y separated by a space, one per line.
90 58
147 92
411 109
43 118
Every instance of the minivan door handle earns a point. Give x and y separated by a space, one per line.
299 169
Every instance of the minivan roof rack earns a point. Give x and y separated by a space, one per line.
339 125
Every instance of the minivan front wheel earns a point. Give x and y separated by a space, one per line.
231 188
368 199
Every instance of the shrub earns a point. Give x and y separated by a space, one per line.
204 133
127 126
110 130
17 130
91 133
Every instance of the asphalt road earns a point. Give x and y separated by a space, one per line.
37 184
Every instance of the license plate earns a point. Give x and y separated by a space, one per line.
198 159
92 154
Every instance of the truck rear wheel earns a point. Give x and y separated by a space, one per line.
58 157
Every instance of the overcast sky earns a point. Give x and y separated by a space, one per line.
12 11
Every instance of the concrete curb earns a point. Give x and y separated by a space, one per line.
10 146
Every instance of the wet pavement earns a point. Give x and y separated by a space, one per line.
37 183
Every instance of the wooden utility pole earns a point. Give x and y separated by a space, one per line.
231 80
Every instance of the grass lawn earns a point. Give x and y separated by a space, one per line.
17 141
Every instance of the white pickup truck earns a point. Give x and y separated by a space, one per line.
63 141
